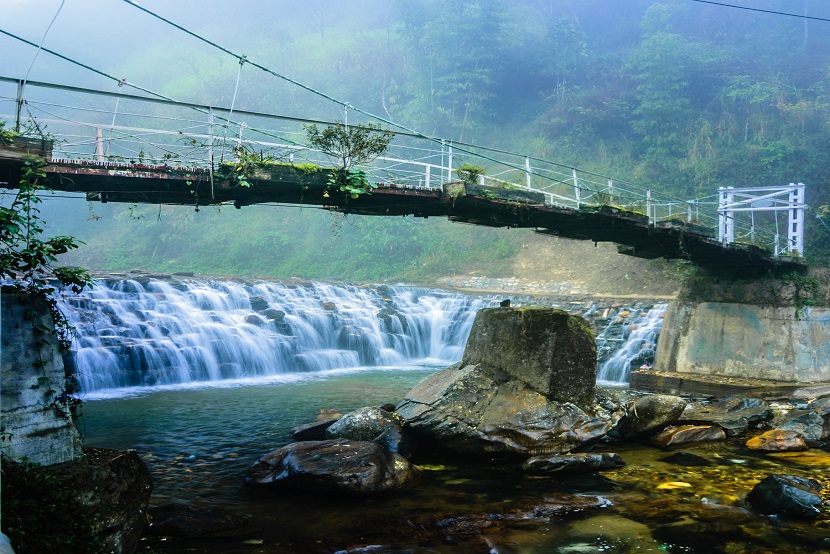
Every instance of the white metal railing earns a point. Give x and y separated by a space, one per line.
152 131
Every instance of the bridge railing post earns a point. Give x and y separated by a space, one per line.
577 191
528 173
20 86
648 207
427 175
99 144
449 164
795 219
210 150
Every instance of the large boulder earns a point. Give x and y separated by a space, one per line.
374 425
648 415
551 351
332 466
97 502
469 412
525 386
787 495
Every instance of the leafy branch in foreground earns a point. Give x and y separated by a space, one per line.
350 146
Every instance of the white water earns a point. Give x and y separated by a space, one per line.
160 334
639 342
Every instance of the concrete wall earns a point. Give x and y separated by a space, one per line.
30 366
745 340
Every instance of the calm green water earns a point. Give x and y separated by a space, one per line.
200 442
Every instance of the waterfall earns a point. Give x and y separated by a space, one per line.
151 332
639 341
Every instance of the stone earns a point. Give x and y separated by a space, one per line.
551 351
469 412
647 415
258 304
374 425
734 414
36 423
314 431
100 498
572 463
787 495
329 306
332 466
686 459
822 408
274 315
685 434
777 441
807 423
253 319
183 520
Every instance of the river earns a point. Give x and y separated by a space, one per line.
159 380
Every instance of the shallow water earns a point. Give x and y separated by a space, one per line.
199 442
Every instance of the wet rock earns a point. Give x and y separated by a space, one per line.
572 463
374 425
551 351
734 414
329 306
777 441
332 466
254 319
274 315
556 505
807 423
685 434
115 486
469 412
686 459
525 387
647 415
258 304
315 431
787 495
822 408
563 503
183 520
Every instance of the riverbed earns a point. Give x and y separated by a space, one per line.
199 440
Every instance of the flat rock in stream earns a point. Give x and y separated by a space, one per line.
734 414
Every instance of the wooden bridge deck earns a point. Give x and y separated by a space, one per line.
461 202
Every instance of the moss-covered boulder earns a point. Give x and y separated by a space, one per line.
551 351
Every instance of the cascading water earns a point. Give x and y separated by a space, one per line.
639 340
158 332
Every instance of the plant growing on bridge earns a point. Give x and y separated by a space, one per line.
470 173
350 146
6 135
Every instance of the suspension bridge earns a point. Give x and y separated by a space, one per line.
118 147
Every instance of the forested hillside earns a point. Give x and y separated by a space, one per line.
678 95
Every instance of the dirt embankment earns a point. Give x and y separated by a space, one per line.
580 267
